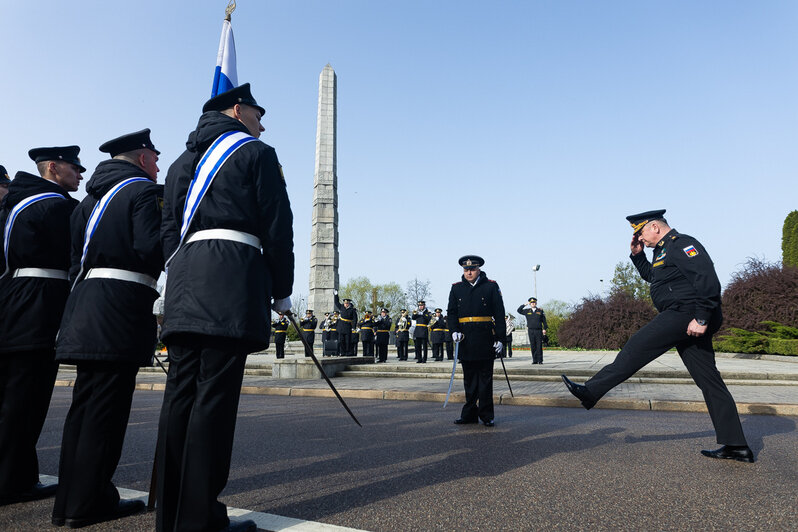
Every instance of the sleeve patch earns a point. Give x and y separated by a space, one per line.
690 251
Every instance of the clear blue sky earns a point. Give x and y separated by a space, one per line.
521 131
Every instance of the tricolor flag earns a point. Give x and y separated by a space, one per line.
225 77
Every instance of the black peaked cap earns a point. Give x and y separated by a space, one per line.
129 142
226 100
67 154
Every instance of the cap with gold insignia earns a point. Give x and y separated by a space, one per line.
638 221
346 299
421 302
67 154
226 100
471 261
4 179
385 310
533 300
308 311
129 142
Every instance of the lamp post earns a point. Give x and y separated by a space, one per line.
535 269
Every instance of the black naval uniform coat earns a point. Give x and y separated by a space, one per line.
347 320
684 286
535 324
108 330
402 332
280 334
30 313
367 327
421 334
437 335
383 334
308 326
216 310
475 352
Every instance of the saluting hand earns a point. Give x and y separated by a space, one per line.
636 246
694 329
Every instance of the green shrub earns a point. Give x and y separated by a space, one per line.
552 332
777 339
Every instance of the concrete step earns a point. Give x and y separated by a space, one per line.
426 371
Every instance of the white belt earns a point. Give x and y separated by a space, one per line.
122 275
225 234
44 273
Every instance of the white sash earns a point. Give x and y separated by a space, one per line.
207 169
97 213
12 216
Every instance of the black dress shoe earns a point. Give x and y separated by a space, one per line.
36 492
461 421
489 423
58 521
123 509
741 453
240 526
580 392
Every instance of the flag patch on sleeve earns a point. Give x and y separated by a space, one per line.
691 251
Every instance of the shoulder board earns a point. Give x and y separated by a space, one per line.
491 280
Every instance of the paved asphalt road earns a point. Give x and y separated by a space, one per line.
411 469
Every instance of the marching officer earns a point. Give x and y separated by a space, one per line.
535 327
108 330
280 328
308 324
402 330
347 320
383 332
686 292
422 316
366 327
476 317
437 333
228 238
34 286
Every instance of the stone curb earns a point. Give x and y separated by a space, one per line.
502 399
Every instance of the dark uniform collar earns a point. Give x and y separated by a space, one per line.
670 235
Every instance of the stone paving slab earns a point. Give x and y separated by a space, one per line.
769 396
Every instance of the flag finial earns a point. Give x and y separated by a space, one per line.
231 6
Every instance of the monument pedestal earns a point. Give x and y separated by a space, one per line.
304 368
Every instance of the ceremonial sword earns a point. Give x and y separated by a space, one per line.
309 350
454 367
506 377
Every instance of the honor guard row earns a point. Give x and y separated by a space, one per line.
88 271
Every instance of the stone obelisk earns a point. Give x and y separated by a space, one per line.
324 232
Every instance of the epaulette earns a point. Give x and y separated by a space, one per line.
491 280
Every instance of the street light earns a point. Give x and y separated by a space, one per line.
535 269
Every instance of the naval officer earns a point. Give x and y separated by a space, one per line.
686 292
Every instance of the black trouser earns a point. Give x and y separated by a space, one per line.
667 330
26 386
402 348
345 343
310 337
437 351
421 349
536 345
508 346
368 348
279 344
94 432
478 384
382 352
450 349
195 432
